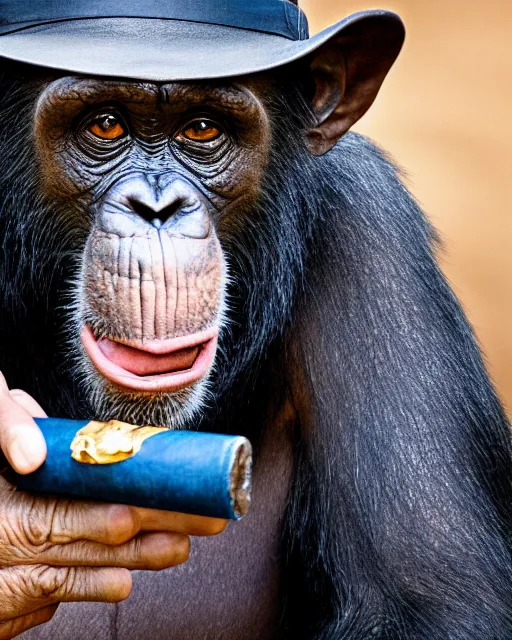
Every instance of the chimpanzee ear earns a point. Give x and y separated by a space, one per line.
348 71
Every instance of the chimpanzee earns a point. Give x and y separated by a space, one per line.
189 239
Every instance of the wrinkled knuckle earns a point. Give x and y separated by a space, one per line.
37 531
10 582
137 552
37 521
122 524
50 583
61 521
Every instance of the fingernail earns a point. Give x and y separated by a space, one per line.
25 452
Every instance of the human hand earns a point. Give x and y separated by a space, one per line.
56 550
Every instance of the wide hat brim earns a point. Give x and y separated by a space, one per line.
165 50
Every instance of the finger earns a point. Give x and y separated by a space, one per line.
62 521
28 403
150 551
115 524
13 628
155 520
37 586
21 441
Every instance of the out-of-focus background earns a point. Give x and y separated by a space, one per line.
445 115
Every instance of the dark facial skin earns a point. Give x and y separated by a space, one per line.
151 172
155 115
157 177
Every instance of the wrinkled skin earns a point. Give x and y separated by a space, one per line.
152 204
56 550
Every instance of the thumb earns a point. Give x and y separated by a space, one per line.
28 403
21 440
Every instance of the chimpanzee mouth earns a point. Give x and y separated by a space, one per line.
156 366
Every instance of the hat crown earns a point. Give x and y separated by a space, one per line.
277 17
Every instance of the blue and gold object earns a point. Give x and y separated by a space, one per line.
199 473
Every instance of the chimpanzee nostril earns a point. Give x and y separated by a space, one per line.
156 217
175 206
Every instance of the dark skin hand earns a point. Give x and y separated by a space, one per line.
55 550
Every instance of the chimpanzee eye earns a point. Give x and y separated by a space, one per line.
200 130
107 127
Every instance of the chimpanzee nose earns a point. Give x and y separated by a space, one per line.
172 204
155 211
156 204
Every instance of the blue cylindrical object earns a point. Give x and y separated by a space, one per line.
198 473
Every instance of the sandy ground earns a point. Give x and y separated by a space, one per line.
444 114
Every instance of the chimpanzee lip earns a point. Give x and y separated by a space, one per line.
171 381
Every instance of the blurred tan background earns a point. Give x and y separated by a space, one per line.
444 114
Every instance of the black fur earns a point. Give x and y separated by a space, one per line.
404 444
399 519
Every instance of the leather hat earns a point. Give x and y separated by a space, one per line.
165 40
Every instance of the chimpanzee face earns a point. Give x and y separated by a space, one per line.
152 173
157 179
